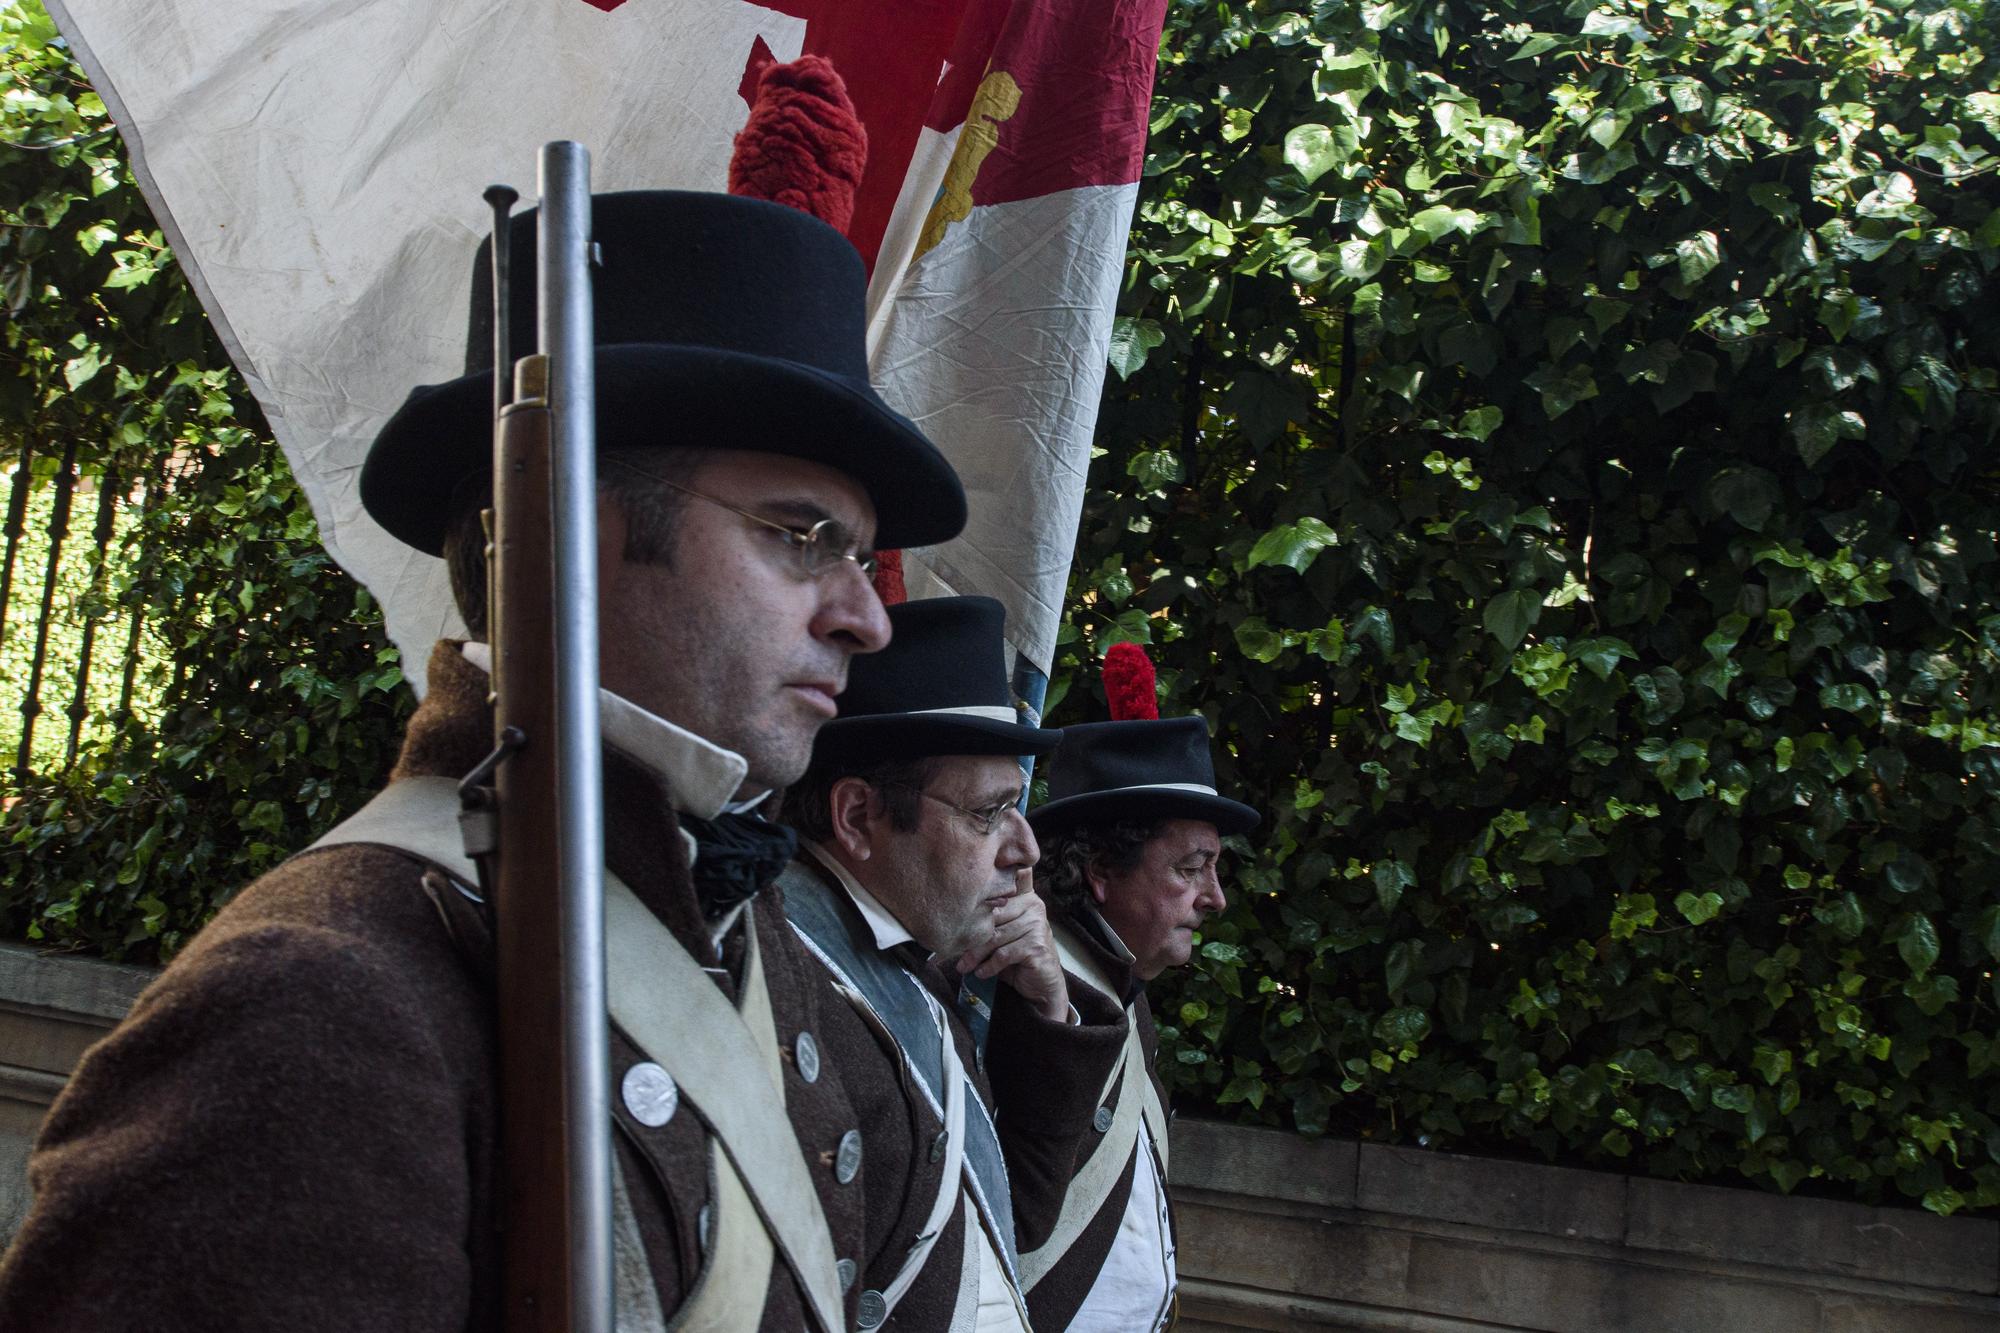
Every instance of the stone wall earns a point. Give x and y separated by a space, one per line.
51 1008
1277 1232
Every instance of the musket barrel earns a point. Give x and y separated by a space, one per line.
567 340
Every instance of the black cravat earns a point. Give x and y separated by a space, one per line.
736 856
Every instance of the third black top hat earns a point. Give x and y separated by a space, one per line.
1155 768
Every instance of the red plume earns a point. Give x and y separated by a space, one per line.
889 578
1129 684
803 146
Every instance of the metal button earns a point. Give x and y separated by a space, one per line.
939 1144
1101 1122
701 1226
806 1051
846 1272
847 1161
650 1094
873 1310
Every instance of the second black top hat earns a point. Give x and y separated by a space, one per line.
939 688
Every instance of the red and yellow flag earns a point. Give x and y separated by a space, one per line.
318 169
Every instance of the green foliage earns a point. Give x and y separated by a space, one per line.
268 698
1555 452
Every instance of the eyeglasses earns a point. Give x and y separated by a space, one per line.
986 819
820 547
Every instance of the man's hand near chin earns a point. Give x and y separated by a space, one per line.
1014 945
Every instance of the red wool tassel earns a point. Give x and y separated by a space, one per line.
889 578
803 145
1129 684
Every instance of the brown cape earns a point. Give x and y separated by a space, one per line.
294 1128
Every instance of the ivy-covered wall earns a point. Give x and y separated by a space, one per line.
1552 447
1556 451
267 699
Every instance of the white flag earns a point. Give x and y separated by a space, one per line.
318 170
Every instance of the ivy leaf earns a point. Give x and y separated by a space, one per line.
1131 340
1404 958
1607 23
1562 389
1601 656
1908 872
1917 942
1698 256
1155 469
1295 545
1510 616
1747 495
1698 908
1403 1026
1480 422
1391 878
1312 151
1436 223
1258 641
1477 348
81 369
1848 698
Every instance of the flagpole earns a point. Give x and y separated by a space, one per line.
567 340
1031 687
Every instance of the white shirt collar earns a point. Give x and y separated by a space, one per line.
702 777
888 931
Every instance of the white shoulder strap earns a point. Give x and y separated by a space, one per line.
1094 1181
415 815
1073 956
950 1187
670 1008
672 1011
728 1297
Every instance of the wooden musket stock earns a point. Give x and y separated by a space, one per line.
536 1245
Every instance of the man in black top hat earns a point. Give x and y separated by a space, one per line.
1131 835
912 888
296 1126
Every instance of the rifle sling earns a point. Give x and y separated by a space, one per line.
679 1018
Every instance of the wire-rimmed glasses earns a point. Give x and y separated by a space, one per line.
820 547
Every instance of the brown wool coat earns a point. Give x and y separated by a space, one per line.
295 1127
1054 1301
1040 1081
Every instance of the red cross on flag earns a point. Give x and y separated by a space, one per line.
318 168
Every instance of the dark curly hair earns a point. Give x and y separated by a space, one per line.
1062 875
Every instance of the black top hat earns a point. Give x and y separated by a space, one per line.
939 688
1157 768
721 323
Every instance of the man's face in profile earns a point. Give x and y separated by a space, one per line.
1158 905
735 641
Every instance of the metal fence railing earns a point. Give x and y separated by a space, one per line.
68 646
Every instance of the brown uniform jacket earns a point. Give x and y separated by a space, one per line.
295 1127
1040 1082
1054 1301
